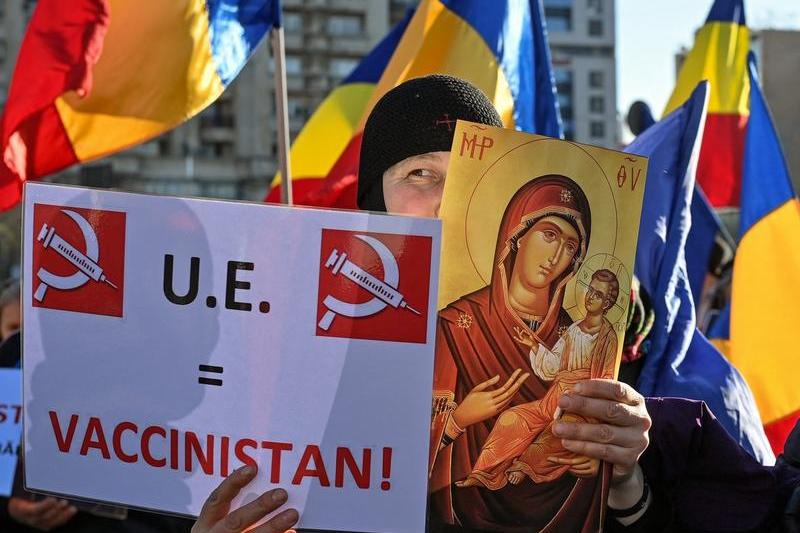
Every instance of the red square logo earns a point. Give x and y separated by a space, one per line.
78 259
374 286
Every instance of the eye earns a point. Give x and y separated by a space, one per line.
422 173
549 235
572 247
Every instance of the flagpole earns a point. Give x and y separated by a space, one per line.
282 113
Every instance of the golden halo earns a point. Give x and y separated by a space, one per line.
512 171
574 296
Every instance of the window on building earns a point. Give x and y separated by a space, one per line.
596 79
219 114
345 25
216 149
164 145
173 188
595 27
292 22
341 67
595 6
597 129
220 189
297 110
294 65
597 104
558 15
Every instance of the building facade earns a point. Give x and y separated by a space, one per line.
582 38
778 55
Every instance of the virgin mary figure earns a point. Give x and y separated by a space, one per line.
542 240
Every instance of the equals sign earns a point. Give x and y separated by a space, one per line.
210 381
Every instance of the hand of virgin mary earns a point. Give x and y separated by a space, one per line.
482 403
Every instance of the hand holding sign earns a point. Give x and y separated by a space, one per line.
214 518
43 515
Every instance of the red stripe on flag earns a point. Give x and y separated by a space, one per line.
778 431
338 189
719 171
39 146
63 42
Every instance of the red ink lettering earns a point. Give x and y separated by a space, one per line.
64 442
116 442
173 449
472 144
387 469
311 453
146 454
95 438
344 457
223 456
243 456
192 447
277 449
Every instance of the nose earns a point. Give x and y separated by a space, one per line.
559 252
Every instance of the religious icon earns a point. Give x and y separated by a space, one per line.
538 246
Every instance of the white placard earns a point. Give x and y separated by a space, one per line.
10 426
168 340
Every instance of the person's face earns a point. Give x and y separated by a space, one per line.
596 295
9 320
414 186
545 251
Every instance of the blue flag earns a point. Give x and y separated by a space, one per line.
700 241
681 362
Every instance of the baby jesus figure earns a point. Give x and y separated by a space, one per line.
521 442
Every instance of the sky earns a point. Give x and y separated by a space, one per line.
650 32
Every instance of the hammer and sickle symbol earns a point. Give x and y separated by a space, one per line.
78 279
391 276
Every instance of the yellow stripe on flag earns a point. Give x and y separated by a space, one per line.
765 313
437 41
171 82
719 55
328 131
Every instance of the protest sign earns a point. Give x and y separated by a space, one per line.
539 238
10 425
169 341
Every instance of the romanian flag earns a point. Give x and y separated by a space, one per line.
741 164
757 331
499 46
97 76
719 55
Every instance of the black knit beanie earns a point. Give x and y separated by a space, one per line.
416 117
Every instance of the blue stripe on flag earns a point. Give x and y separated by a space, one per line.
514 30
766 184
236 27
727 11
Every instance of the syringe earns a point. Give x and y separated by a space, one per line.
48 238
338 262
